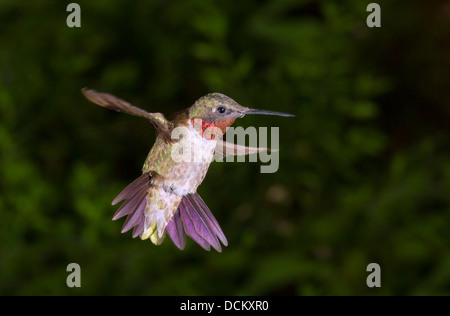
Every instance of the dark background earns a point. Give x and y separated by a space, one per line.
364 167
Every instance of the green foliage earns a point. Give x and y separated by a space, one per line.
364 167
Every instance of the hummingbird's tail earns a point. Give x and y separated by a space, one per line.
190 217
135 196
193 218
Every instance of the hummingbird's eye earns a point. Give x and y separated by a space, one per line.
221 109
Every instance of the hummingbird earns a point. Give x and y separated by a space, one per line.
164 199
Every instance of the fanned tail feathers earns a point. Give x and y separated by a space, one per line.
134 206
192 218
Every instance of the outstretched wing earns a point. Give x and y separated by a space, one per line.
112 102
224 149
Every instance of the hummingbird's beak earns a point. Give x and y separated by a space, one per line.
264 112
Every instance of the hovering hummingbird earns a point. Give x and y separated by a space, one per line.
164 198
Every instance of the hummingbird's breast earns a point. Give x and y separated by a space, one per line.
181 166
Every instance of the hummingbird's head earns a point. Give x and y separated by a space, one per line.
215 107
216 110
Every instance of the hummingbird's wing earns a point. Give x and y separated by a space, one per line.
112 102
224 149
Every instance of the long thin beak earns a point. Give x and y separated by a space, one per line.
264 112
